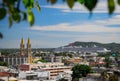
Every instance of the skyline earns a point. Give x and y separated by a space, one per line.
57 25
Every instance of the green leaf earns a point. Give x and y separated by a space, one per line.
38 7
19 18
24 15
81 1
90 4
9 2
31 17
16 17
10 21
31 3
1 36
14 10
75 0
53 1
118 1
111 6
70 3
28 3
2 13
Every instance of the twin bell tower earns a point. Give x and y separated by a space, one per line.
26 52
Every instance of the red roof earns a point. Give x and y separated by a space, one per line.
2 74
97 63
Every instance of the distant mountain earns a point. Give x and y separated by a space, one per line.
114 47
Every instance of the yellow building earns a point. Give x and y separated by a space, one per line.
29 51
22 47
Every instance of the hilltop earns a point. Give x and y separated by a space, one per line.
114 47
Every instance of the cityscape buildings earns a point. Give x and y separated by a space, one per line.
52 66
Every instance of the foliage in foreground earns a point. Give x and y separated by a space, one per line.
15 13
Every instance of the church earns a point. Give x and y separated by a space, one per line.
24 56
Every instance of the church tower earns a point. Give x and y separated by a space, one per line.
29 51
22 47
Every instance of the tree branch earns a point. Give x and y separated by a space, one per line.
18 5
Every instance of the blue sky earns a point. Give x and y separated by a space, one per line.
57 25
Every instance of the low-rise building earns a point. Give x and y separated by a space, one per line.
53 58
75 49
73 61
8 79
34 75
16 60
54 68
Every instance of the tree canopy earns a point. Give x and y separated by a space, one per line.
80 71
17 14
62 79
4 64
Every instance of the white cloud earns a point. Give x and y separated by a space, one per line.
98 31
77 28
78 8
95 26
104 38
111 21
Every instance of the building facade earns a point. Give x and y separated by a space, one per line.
54 68
53 58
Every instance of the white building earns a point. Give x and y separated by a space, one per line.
54 68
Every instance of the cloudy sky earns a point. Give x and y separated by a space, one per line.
57 25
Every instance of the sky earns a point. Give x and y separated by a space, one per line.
57 25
